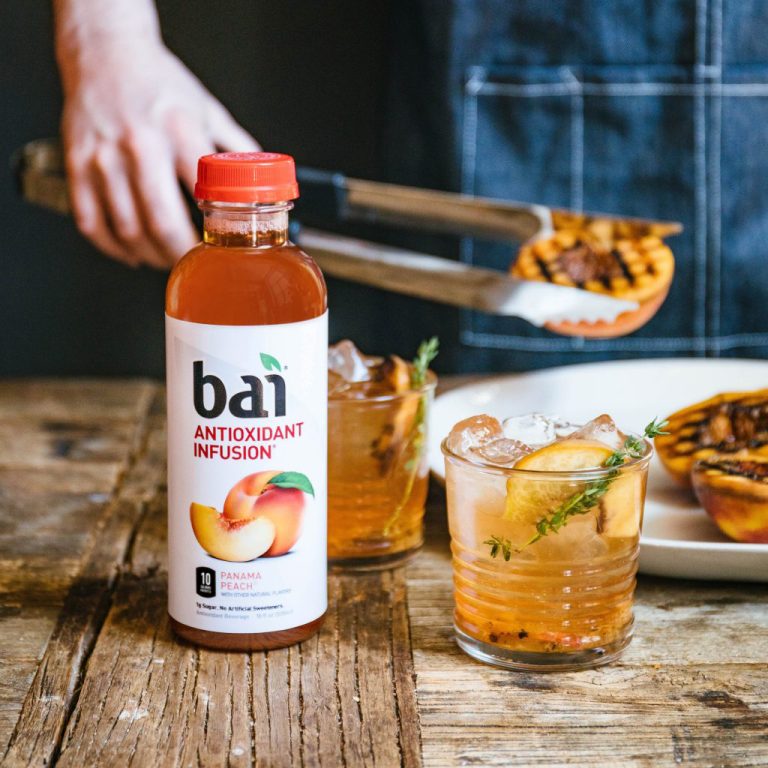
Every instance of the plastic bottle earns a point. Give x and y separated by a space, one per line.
246 341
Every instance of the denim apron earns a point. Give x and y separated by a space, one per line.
656 109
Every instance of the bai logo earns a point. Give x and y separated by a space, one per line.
246 404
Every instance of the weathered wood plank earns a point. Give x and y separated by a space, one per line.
135 674
221 712
27 582
320 737
405 679
47 705
103 529
43 443
337 699
378 707
16 675
51 515
276 705
622 716
93 401
50 504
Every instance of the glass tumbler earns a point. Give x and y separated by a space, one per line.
557 600
377 477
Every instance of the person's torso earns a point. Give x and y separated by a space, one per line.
657 110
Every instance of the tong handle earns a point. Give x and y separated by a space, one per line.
380 202
449 212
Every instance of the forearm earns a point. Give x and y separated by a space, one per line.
82 26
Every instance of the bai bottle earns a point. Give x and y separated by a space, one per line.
246 349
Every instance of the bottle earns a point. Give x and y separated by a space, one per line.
246 359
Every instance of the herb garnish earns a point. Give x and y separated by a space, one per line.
583 501
499 544
425 354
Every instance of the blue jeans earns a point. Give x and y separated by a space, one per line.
658 110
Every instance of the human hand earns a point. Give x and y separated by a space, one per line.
135 121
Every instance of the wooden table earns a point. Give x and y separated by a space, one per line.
90 674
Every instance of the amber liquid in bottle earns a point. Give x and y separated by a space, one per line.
246 272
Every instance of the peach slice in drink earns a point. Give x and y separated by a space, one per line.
566 456
620 511
529 499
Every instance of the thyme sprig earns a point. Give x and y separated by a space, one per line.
425 354
585 500
499 544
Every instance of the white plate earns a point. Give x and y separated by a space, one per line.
678 539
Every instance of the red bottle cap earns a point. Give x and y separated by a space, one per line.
246 177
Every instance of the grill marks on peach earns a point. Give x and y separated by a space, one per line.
637 270
726 423
625 259
733 489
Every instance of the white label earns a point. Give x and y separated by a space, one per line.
247 452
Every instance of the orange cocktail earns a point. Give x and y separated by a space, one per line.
545 544
377 458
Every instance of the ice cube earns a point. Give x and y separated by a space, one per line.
501 452
533 429
576 542
477 505
472 433
603 429
563 427
337 385
347 361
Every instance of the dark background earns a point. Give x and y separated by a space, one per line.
307 78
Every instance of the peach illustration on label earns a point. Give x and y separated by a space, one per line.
262 517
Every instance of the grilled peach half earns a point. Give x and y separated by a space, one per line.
733 489
726 423
601 258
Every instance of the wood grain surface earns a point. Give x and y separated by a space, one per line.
90 674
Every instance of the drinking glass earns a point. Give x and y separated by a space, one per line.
560 600
377 476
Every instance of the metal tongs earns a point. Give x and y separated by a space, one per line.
40 173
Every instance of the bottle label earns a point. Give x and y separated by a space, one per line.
247 452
